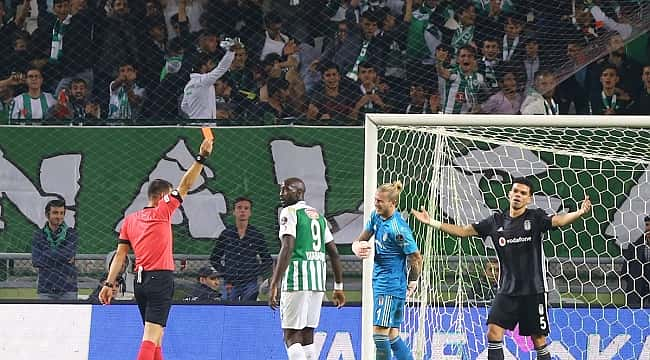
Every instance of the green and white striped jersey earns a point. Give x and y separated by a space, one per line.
462 91
307 267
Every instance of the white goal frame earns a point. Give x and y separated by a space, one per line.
373 121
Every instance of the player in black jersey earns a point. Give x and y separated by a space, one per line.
517 237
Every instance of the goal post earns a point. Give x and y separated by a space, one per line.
460 168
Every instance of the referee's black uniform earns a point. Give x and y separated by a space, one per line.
521 297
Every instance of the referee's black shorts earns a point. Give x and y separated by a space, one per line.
154 295
530 311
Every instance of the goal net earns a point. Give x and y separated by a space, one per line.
460 169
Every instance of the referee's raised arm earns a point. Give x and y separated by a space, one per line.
195 170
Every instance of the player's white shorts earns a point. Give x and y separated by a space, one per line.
300 309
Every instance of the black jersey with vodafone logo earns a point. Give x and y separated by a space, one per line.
518 243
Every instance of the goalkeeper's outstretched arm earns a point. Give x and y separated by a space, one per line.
451 229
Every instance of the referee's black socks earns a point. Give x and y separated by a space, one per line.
543 353
495 350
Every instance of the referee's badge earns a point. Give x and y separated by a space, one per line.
527 225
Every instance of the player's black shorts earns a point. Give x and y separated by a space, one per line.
154 295
530 311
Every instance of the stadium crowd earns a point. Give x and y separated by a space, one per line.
258 63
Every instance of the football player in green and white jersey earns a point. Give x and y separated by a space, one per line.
305 238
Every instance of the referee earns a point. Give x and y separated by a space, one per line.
517 237
149 233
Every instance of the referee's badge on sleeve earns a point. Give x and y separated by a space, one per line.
527 225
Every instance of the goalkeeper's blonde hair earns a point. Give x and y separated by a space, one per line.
393 189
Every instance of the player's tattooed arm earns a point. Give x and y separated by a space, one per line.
415 266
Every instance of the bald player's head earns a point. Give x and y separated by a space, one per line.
292 190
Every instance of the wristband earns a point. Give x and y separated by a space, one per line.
338 286
200 158
436 224
106 283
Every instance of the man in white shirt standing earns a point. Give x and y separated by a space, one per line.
540 98
199 95
33 104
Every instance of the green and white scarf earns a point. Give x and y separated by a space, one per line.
123 110
56 50
363 54
172 66
26 112
56 239
463 36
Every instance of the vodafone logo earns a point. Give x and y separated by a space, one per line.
502 241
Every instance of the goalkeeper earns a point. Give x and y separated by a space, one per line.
517 237
394 244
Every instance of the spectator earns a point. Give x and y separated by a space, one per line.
531 62
163 101
508 100
610 100
118 35
443 57
641 104
627 68
488 64
464 83
491 15
199 96
208 43
152 51
331 99
75 43
575 90
241 75
126 96
418 14
236 254
7 94
460 33
277 67
54 248
485 287
207 287
512 50
75 103
33 104
370 96
424 98
276 107
636 269
273 40
540 99
18 59
8 29
362 45
392 34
